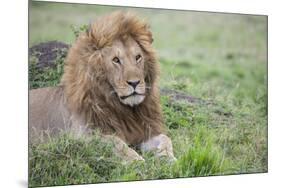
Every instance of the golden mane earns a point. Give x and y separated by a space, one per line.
88 92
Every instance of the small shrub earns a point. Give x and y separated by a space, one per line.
203 157
77 30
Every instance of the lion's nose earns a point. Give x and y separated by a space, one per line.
133 83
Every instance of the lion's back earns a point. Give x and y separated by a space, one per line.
47 111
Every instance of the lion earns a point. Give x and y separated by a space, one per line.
110 83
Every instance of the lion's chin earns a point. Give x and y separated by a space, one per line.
133 100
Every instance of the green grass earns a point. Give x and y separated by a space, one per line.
219 58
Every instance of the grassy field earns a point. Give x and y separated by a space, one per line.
219 58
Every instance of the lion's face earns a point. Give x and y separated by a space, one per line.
124 62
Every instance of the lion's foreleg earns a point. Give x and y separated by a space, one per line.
160 145
122 150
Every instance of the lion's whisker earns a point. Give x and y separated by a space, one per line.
121 88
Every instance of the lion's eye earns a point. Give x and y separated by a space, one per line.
116 60
138 58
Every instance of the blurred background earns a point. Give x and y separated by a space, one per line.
183 37
177 34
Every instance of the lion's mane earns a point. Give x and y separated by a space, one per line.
88 92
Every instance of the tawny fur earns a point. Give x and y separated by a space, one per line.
86 92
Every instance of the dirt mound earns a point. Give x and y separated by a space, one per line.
48 52
182 97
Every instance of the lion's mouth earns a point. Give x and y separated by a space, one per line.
132 94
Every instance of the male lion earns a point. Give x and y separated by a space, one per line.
110 83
